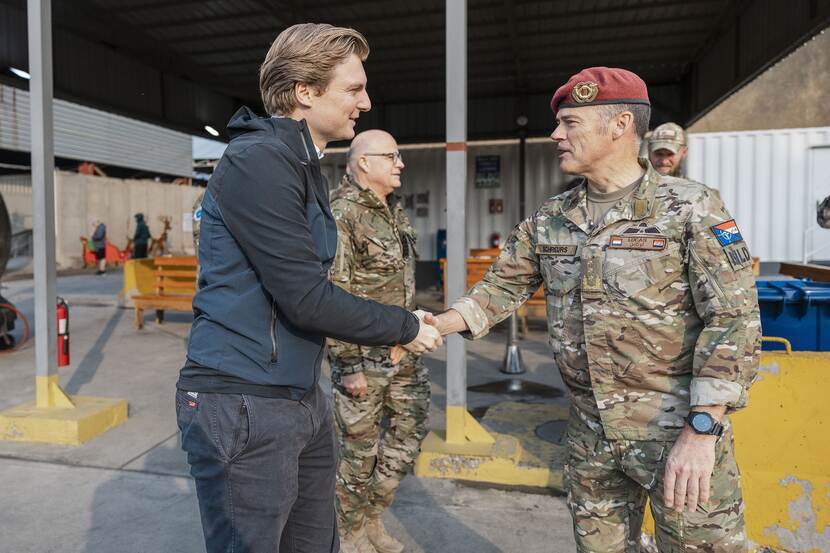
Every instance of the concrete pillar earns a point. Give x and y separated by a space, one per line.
456 96
48 393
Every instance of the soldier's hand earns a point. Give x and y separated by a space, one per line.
356 385
686 482
428 338
396 353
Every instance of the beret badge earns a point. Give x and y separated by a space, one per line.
585 92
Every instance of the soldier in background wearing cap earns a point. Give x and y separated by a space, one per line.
667 147
653 321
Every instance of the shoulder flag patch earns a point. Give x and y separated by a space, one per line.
727 233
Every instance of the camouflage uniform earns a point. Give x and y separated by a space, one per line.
375 260
649 312
197 220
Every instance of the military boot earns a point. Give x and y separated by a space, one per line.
356 542
380 538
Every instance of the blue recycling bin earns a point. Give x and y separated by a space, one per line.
798 310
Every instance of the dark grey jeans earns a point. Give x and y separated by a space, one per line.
264 471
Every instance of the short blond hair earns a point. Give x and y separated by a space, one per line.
305 53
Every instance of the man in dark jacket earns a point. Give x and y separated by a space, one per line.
257 429
141 237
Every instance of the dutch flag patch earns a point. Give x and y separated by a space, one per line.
727 232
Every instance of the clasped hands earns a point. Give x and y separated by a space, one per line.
428 339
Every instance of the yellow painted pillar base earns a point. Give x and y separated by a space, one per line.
49 394
55 417
467 451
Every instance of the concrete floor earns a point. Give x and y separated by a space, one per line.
129 490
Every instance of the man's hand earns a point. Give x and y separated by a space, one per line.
428 339
686 482
396 353
356 384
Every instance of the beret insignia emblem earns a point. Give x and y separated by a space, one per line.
585 92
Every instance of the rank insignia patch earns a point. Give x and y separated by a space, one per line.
727 233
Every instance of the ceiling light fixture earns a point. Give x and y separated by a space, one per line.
211 131
20 73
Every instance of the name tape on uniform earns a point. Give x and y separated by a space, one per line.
738 256
637 242
727 232
550 249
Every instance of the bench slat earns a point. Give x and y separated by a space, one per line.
184 261
174 284
175 273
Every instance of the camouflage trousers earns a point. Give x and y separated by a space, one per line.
608 482
379 437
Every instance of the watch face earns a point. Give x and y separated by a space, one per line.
701 422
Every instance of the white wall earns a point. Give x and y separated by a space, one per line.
768 184
80 198
770 181
425 171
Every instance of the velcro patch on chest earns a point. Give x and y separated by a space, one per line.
727 232
738 256
637 242
555 249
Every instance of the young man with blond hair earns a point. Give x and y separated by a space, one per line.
256 427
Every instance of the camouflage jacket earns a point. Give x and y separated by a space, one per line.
375 260
652 311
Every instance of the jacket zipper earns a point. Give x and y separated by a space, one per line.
709 275
307 153
273 331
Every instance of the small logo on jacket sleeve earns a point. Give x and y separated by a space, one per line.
727 232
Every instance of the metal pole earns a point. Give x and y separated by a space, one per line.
456 95
43 199
513 356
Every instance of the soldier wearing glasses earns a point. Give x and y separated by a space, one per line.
375 260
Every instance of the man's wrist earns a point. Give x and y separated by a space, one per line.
717 412
450 322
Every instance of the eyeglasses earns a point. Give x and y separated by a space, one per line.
394 156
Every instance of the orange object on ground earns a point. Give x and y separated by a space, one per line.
114 255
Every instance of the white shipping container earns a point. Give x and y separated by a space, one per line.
771 181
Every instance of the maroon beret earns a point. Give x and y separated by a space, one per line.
600 85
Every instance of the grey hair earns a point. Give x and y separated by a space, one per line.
641 113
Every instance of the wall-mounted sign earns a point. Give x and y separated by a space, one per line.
488 172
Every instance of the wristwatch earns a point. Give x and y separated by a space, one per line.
703 423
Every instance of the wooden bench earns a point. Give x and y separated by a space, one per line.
175 287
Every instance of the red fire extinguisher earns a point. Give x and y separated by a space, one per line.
63 332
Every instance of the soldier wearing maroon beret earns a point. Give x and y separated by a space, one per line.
653 321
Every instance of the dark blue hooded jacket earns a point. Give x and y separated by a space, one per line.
265 305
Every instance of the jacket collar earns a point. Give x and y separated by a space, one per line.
350 189
297 136
641 205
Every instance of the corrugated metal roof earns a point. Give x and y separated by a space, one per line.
89 134
193 62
